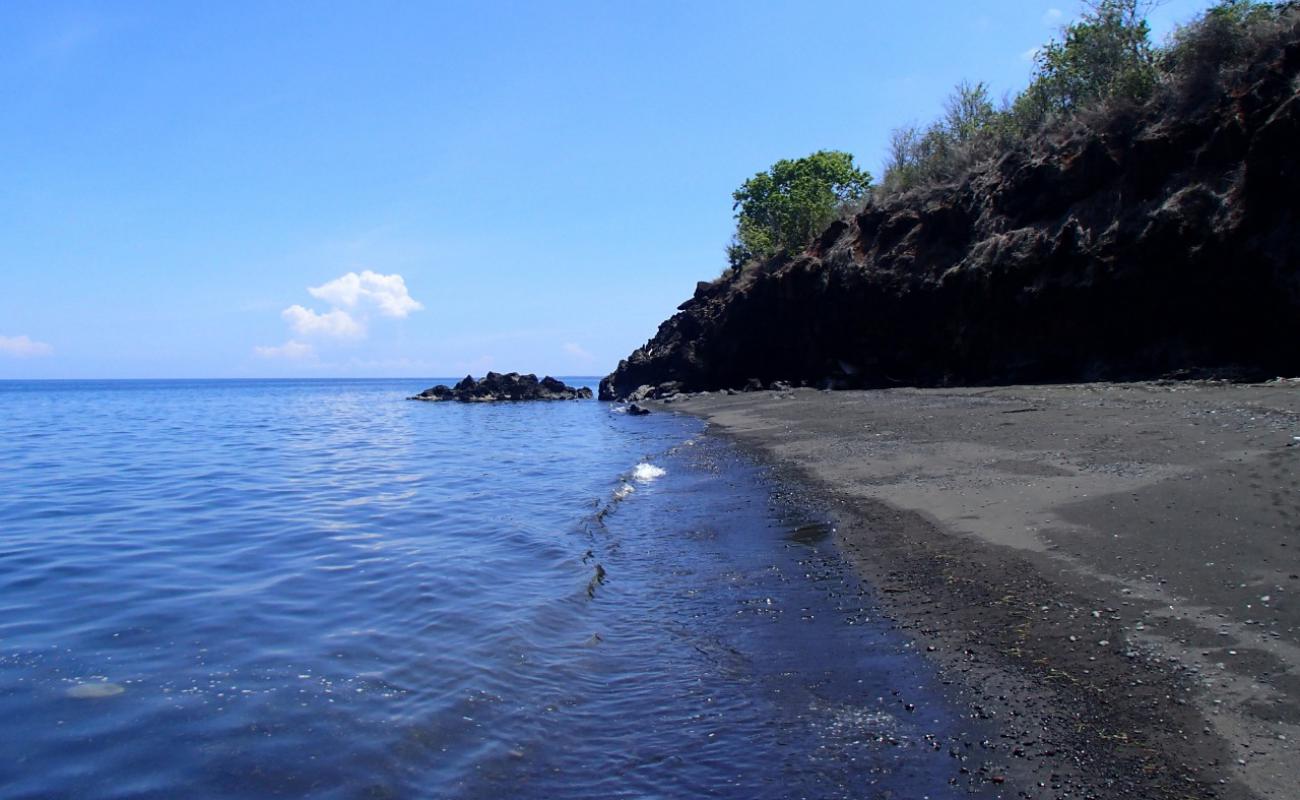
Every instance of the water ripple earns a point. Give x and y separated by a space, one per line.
316 589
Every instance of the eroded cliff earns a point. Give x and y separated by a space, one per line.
1153 240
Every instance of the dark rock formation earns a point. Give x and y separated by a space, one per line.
1149 241
637 410
496 387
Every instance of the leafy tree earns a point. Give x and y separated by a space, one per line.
1106 54
785 207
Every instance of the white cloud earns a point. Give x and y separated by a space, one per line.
578 351
351 298
338 323
1030 54
23 347
290 349
1053 16
387 292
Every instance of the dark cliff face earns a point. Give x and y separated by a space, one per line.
1161 239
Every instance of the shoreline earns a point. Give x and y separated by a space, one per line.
1104 571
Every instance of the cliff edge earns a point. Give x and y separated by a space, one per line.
1141 242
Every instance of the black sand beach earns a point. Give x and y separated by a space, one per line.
1105 570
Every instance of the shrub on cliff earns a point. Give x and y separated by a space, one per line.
1106 55
1221 39
785 207
1103 60
968 132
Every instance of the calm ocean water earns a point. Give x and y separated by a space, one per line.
247 589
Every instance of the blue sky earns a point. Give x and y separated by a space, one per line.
425 189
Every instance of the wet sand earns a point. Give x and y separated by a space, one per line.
1107 571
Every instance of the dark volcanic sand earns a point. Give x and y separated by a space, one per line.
1111 571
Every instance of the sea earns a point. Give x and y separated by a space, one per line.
317 588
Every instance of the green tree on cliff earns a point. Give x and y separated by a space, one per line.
785 207
1106 54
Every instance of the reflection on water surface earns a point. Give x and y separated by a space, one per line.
316 589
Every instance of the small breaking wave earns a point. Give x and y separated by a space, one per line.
646 472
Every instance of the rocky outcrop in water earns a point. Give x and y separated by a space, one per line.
1146 242
496 387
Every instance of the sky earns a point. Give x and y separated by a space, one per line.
385 189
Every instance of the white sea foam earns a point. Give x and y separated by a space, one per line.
623 490
646 472
93 691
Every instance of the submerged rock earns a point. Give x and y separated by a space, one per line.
496 387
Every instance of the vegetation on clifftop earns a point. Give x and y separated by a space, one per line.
1102 63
